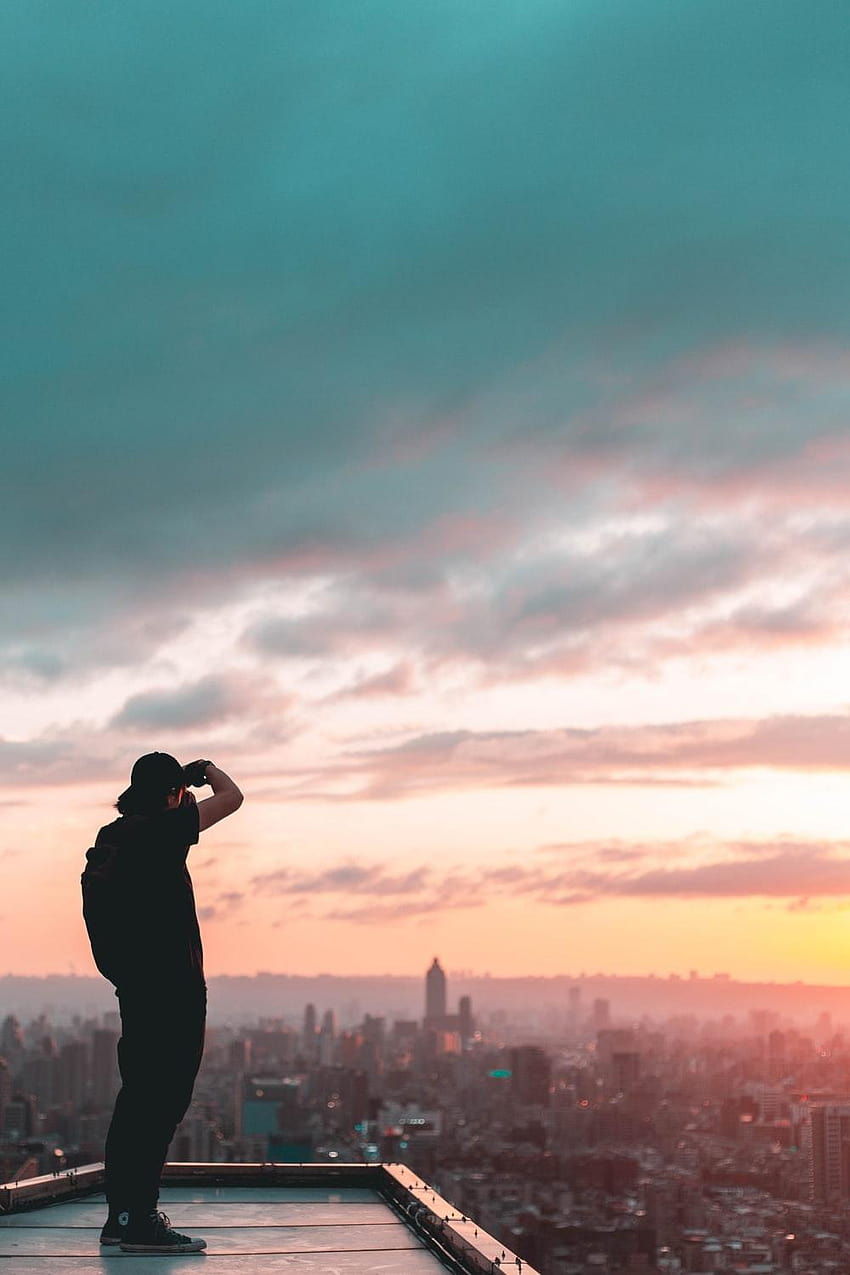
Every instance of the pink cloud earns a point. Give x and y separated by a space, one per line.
695 752
579 874
396 681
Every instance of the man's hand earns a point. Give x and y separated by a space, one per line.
195 773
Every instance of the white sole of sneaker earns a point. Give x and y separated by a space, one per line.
197 1246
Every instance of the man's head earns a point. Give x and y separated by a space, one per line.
157 783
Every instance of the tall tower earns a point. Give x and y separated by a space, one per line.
11 1039
327 1038
309 1028
435 992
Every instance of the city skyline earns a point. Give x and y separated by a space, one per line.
715 1144
435 415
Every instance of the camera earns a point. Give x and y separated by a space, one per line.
195 773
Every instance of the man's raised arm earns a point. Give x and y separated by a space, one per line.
226 797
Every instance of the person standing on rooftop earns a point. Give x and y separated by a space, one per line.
139 910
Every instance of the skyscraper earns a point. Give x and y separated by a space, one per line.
830 1153
531 1075
467 1026
601 1013
73 1073
11 1039
308 1036
435 993
327 1038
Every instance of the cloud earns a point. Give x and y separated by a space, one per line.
408 909
241 714
605 591
59 757
211 701
687 753
381 896
231 898
69 630
354 620
741 419
227 903
251 321
784 871
618 854
199 704
348 878
506 409
398 680
576 874
691 752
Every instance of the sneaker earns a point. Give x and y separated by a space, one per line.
115 1227
153 1234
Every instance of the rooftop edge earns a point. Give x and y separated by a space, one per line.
460 1243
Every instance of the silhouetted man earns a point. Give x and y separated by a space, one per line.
139 910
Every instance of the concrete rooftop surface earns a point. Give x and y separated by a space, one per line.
307 1220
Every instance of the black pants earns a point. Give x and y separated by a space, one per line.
159 1053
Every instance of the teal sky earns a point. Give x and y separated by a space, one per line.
275 234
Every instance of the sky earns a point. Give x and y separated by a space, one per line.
438 416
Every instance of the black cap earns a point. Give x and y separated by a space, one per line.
152 778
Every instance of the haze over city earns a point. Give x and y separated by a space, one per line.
437 416
591 1127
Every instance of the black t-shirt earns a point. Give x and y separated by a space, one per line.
138 902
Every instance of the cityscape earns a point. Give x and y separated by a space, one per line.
586 1138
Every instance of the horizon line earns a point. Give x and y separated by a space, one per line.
690 978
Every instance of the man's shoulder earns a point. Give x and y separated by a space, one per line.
110 832
177 827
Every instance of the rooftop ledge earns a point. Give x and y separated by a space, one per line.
313 1219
